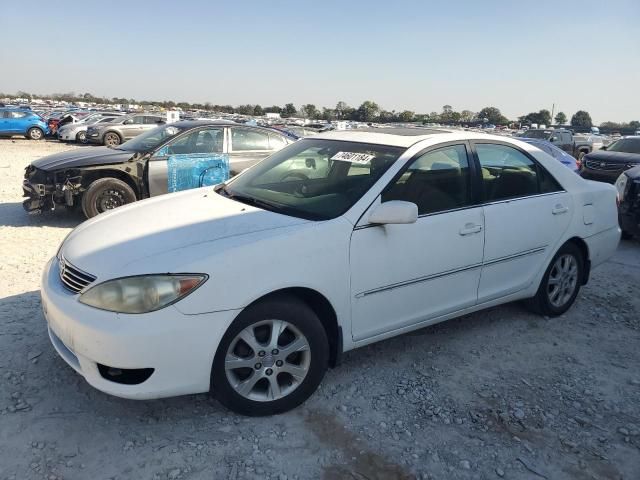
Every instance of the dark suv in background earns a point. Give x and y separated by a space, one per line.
606 164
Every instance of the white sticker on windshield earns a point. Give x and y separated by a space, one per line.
353 157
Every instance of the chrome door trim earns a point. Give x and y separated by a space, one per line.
434 276
506 258
417 280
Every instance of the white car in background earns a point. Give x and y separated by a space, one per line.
77 132
252 288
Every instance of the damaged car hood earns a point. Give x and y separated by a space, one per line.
109 242
83 157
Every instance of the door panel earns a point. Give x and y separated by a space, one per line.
247 147
526 213
518 237
193 160
404 274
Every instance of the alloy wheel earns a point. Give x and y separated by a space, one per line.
267 360
111 139
563 280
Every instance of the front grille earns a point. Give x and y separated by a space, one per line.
600 165
72 278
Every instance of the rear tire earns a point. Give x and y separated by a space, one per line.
34 133
106 194
111 139
561 282
282 370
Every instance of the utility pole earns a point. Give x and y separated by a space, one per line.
553 110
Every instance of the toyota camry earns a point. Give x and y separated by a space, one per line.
252 288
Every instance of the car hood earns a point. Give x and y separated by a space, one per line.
618 157
82 157
105 245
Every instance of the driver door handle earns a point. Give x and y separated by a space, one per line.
469 229
559 209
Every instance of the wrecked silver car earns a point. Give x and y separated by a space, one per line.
169 158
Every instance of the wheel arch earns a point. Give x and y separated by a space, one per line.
325 311
113 131
90 176
584 249
38 127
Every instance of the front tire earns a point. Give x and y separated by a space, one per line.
561 282
106 194
271 359
81 137
34 133
112 139
581 156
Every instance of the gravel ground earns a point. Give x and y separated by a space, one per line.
501 393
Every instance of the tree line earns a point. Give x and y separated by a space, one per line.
368 111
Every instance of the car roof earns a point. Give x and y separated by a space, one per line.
397 137
201 123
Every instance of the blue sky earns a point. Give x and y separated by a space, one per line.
415 55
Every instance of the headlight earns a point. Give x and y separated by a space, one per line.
141 294
622 183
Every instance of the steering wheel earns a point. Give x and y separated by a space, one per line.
301 188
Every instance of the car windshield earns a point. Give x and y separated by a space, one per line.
627 145
313 179
544 134
151 139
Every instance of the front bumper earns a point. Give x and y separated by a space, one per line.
179 348
609 176
94 137
37 197
629 217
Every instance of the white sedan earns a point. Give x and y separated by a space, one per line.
252 288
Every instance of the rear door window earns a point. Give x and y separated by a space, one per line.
508 173
246 139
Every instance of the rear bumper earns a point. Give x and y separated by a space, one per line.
629 220
603 245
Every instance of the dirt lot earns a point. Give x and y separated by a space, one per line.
502 393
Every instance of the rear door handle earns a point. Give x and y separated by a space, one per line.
469 229
559 209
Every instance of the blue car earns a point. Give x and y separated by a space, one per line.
557 153
14 121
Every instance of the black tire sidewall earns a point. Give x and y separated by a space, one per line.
302 317
89 198
81 137
542 298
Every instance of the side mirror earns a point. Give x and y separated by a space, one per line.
394 212
128 122
604 147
